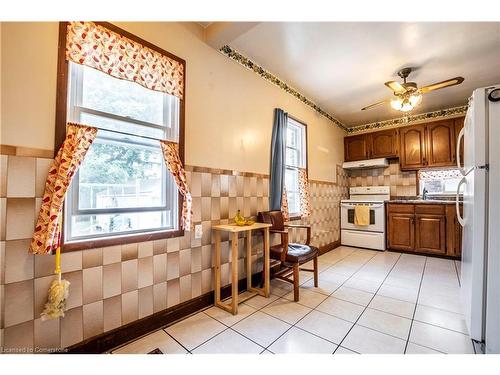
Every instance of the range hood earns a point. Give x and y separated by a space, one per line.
366 164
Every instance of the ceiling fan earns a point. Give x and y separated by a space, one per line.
407 95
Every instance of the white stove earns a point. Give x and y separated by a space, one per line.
371 236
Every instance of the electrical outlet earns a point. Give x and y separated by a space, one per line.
198 231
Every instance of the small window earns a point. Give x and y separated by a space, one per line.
122 186
439 182
296 157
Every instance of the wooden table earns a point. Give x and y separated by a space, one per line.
235 230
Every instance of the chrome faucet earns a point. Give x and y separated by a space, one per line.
424 194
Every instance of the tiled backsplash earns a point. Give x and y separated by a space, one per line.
402 183
116 285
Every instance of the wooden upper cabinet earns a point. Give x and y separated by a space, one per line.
441 143
384 144
412 153
356 148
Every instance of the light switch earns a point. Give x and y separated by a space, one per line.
198 231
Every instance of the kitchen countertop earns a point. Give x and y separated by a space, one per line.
420 201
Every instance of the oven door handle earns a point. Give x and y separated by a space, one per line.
349 205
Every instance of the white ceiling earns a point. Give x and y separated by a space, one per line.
343 66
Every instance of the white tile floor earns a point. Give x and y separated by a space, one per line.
367 302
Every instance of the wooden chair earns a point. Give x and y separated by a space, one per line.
290 255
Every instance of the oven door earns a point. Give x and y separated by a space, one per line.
377 217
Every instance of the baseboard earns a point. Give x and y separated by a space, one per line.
138 328
328 247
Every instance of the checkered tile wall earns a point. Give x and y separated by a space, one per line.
402 183
116 285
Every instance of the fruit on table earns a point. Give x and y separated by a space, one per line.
240 220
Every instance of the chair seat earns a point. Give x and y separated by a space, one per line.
297 253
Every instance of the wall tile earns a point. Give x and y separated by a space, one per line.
232 186
145 272
160 296
112 308
44 265
195 259
215 209
72 327
93 319
47 335
75 297
206 184
112 280
42 170
206 207
159 268
2 264
130 306
111 254
71 261
206 257
129 275
19 264
215 185
20 221
196 284
172 266
185 262
185 288
19 338
92 258
129 251
207 281
173 292
224 185
145 249
173 245
92 285
3 175
145 301
159 247
3 218
21 177
18 302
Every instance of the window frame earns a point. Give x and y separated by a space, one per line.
296 215
60 135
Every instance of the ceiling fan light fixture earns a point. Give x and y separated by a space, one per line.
415 99
396 103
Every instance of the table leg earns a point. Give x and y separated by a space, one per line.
234 273
217 267
249 260
267 264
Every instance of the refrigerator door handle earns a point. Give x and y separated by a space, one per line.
458 148
461 220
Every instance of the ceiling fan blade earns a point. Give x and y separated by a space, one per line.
441 85
375 104
395 86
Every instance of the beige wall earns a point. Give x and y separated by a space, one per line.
229 109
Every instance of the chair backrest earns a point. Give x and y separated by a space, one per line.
275 218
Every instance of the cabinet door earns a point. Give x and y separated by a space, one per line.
441 143
430 234
412 147
401 232
356 148
384 144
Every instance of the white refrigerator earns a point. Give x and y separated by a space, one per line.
480 268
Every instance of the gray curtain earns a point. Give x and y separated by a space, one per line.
278 144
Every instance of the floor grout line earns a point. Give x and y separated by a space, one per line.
360 315
416 304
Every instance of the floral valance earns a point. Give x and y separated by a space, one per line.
93 45
304 198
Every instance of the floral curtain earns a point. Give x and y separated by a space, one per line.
174 165
47 235
284 205
304 198
100 48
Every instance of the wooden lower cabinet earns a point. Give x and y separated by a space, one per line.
424 229
430 234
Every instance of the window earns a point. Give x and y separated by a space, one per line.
123 186
439 182
295 158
